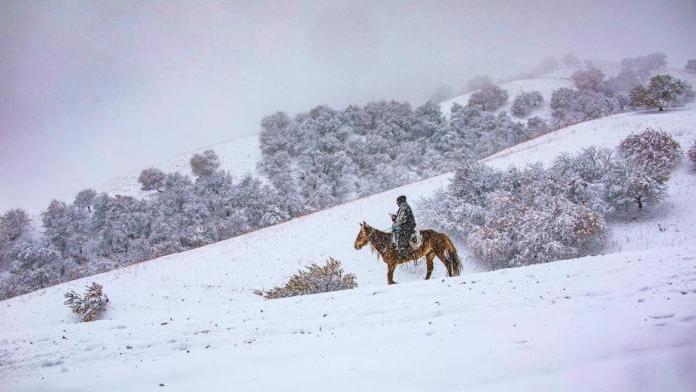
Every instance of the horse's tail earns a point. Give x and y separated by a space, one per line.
452 257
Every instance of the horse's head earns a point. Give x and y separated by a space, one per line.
362 237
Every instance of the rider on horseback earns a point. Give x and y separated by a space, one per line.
404 225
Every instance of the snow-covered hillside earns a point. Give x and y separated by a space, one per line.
545 85
610 323
239 156
622 321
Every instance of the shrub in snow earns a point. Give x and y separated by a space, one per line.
90 305
691 154
314 279
489 98
690 66
525 103
204 164
151 179
655 150
661 92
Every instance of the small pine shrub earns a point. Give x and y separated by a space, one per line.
89 306
314 279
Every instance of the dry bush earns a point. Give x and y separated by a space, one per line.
89 306
314 279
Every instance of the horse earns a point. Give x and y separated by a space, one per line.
434 244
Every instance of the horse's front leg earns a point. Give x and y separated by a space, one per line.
390 273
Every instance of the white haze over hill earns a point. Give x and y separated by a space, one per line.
93 90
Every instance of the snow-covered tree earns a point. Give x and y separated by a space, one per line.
14 224
690 66
527 227
526 102
529 215
537 126
656 150
591 79
623 83
662 92
151 179
15 232
645 66
85 199
570 59
630 184
489 98
36 266
204 164
572 106
691 154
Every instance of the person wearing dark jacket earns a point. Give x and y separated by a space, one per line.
404 225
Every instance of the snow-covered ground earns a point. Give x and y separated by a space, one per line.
674 222
622 321
239 156
611 323
545 85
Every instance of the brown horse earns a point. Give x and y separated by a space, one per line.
434 244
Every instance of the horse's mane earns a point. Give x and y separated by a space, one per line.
372 246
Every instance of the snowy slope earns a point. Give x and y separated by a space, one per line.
616 322
595 323
238 156
241 155
674 223
545 85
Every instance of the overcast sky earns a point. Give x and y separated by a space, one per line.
91 90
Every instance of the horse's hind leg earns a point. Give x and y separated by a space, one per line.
445 261
429 264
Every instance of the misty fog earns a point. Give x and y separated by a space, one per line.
92 90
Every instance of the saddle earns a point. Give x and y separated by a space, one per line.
416 240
